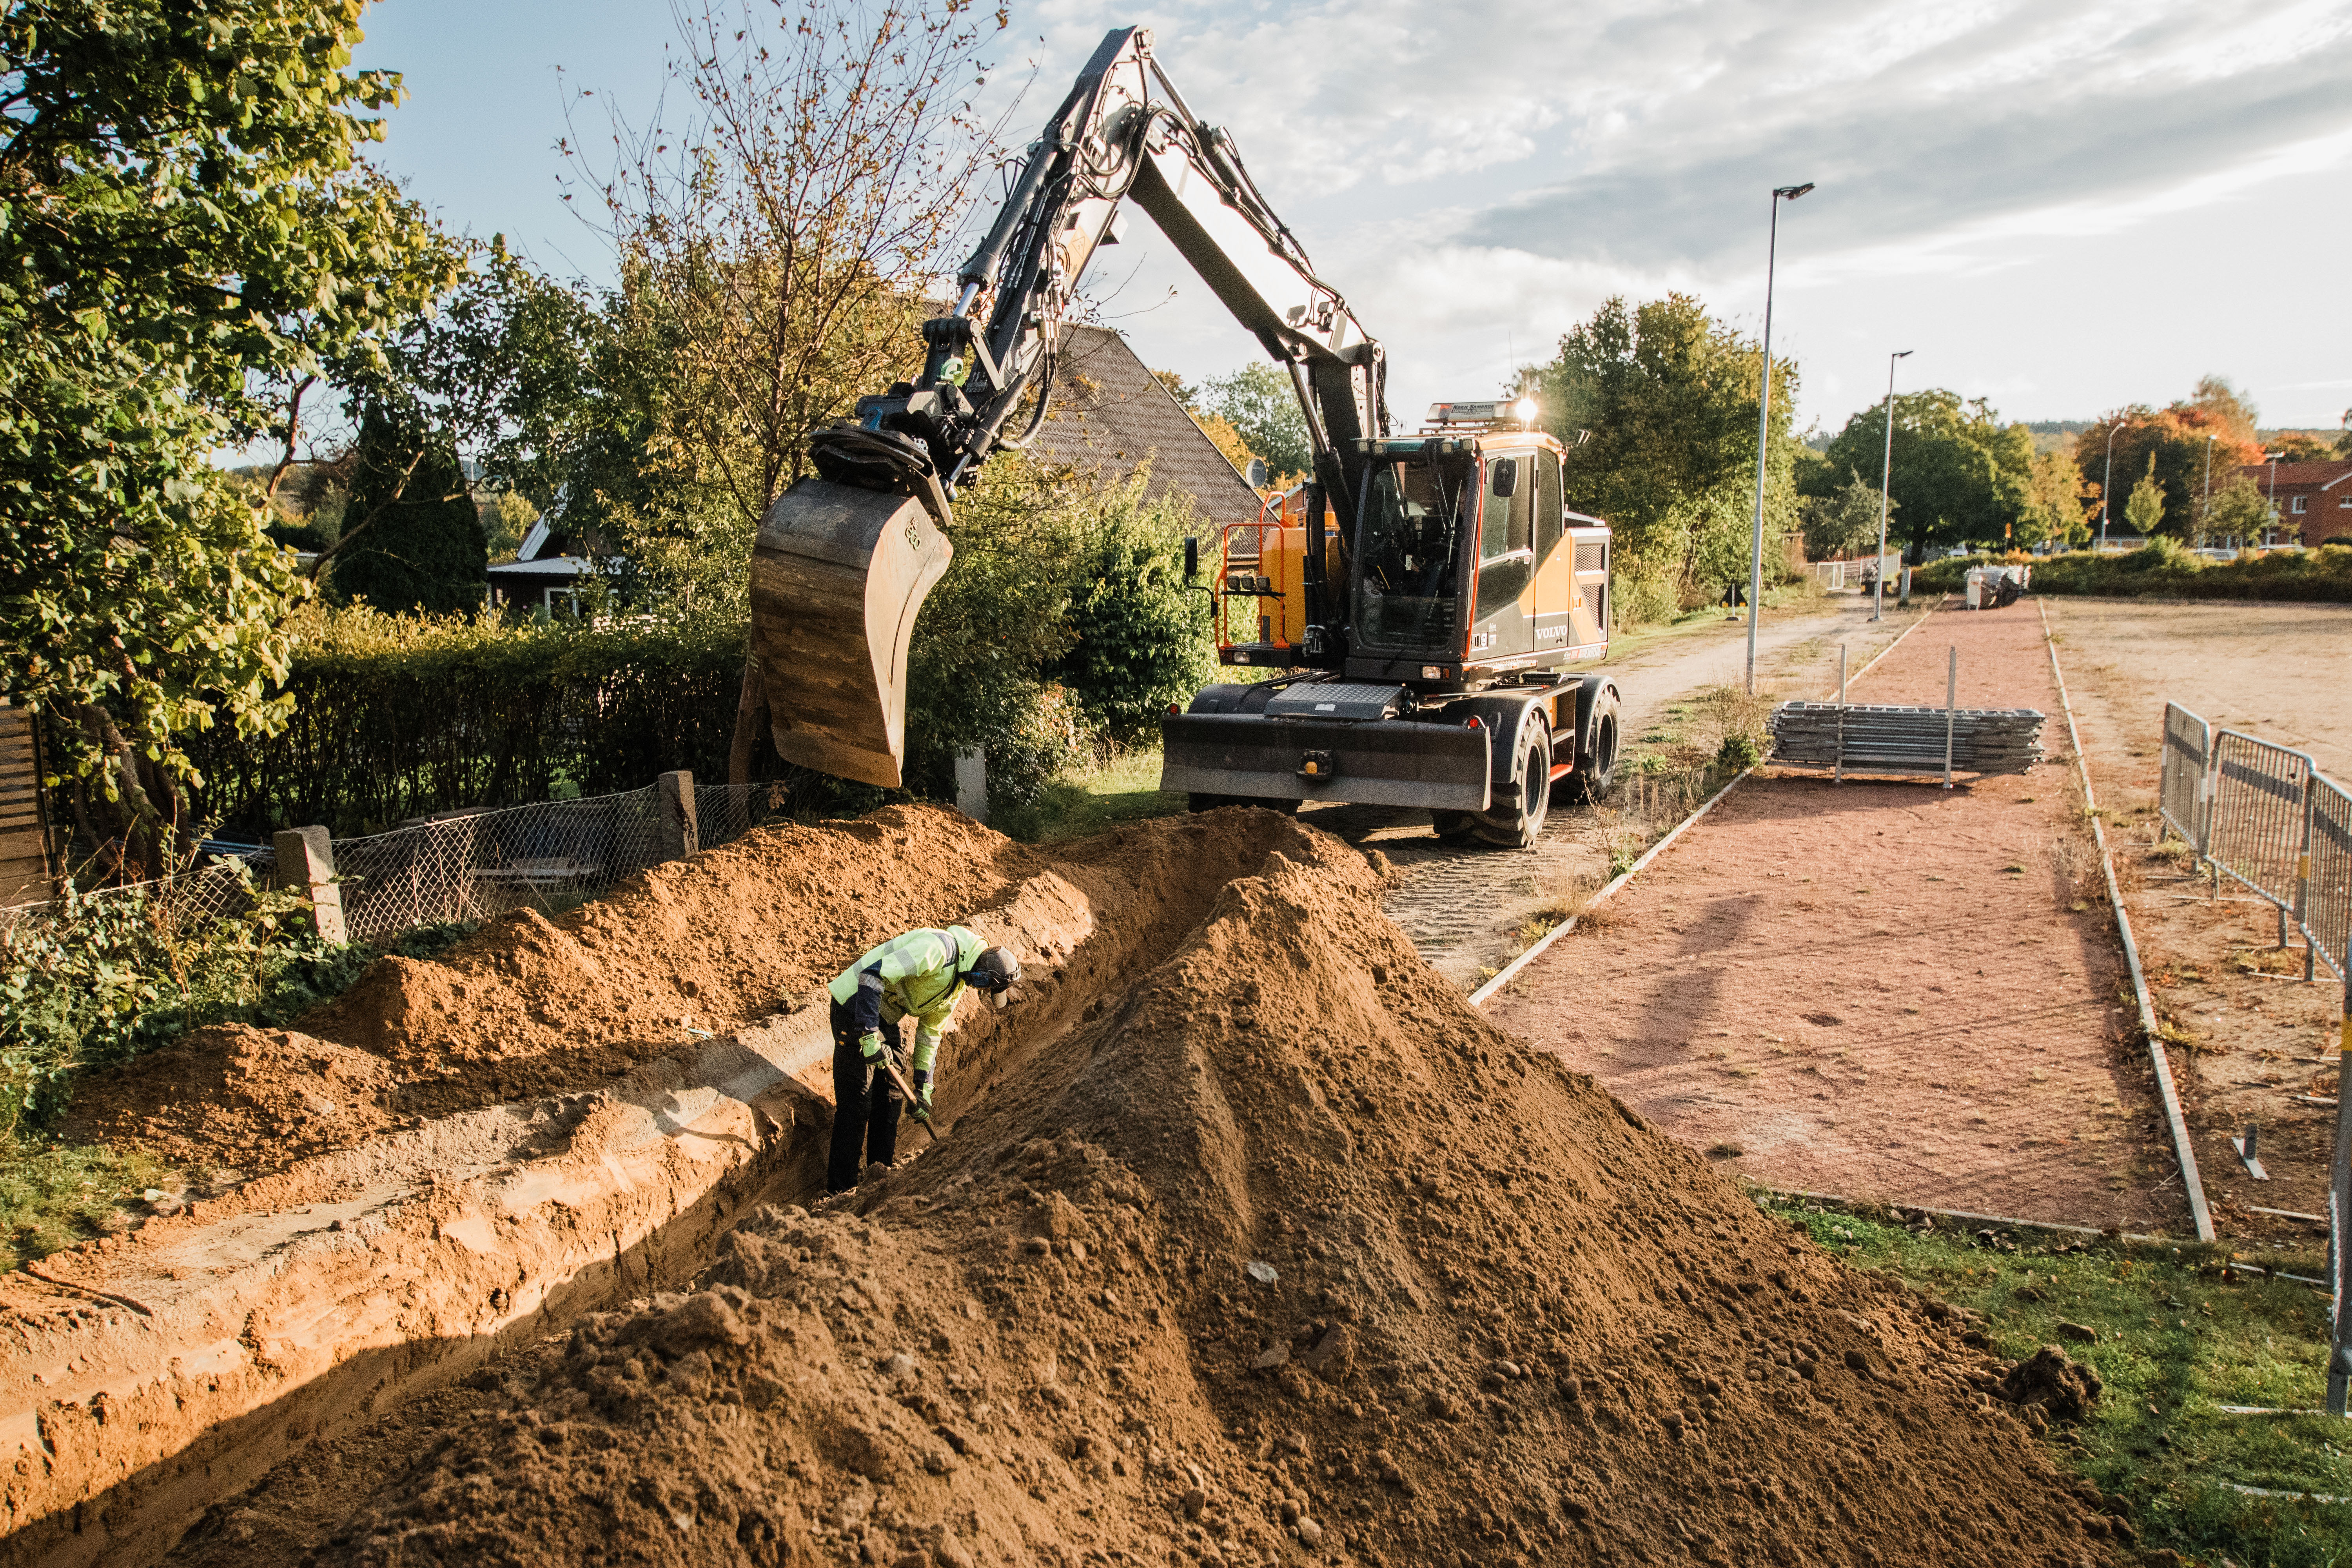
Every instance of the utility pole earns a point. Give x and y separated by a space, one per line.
1885 476
1764 428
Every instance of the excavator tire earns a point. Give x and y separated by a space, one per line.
1455 826
1519 827
1596 757
837 575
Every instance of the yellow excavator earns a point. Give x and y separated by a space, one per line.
1407 616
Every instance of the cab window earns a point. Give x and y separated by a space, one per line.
1507 506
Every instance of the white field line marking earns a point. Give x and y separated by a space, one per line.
2181 1148
1510 971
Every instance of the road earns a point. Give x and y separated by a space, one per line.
1469 909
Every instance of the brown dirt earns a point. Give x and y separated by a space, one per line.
529 1006
240 1097
1882 990
1043 1341
2250 1040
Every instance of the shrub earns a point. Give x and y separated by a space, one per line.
1140 640
98 979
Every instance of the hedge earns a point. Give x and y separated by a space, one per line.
2164 569
400 717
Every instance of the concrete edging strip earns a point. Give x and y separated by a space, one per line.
1510 972
2186 1153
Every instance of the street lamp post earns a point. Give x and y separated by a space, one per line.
1885 476
2108 484
2272 460
1764 427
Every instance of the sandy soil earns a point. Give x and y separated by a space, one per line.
2257 1040
1464 906
1880 990
1193 1287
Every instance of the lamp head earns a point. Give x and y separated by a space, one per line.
1903 354
1792 191
1525 410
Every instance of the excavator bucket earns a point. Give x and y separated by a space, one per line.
837 575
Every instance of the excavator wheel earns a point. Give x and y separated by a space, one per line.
1596 759
1519 827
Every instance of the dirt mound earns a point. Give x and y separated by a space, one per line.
531 1005
2053 1385
239 1097
1280 1251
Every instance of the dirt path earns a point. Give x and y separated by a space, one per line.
1467 910
1881 990
2253 1039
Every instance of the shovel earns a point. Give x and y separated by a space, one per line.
907 1093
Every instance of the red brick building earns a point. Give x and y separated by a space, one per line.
2314 499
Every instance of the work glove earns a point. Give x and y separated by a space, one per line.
869 1045
922 1094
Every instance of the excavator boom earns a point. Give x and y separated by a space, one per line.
844 560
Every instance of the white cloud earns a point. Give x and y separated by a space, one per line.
1479 179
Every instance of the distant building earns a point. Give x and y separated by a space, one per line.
1110 413
551 568
2314 501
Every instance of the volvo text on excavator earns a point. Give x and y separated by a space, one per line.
1406 618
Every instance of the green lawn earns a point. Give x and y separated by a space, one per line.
2180 1333
1125 789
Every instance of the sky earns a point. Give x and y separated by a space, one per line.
2061 207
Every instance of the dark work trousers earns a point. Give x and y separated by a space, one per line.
864 1106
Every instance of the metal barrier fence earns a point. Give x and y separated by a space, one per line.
2259 817
2327 887
2266 817
2180 781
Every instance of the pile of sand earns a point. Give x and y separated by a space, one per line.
240 1097
1280 1253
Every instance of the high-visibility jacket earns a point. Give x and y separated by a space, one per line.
917 976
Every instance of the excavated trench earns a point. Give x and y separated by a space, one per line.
159 1374
1251 1243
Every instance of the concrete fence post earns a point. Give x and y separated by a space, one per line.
306 860
681 836
971 785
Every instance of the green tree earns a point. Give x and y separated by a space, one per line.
1957 472
184 237
2240 511
1668 397
1139 640
2176 438
2053 506
418 546
1843 520
1258 402
2144 512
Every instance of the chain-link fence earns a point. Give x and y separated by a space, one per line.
476 864
2266 817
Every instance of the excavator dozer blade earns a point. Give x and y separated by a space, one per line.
837 575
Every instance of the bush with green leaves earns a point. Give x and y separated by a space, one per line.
94 979
1142 640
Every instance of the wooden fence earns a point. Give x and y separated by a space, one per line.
26 852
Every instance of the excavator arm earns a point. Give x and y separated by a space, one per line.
845 559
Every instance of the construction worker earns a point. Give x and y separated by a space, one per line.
921 974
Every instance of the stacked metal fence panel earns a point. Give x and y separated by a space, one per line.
475 865
1888 740
2180 786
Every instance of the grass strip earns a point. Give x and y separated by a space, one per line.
2181 1330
